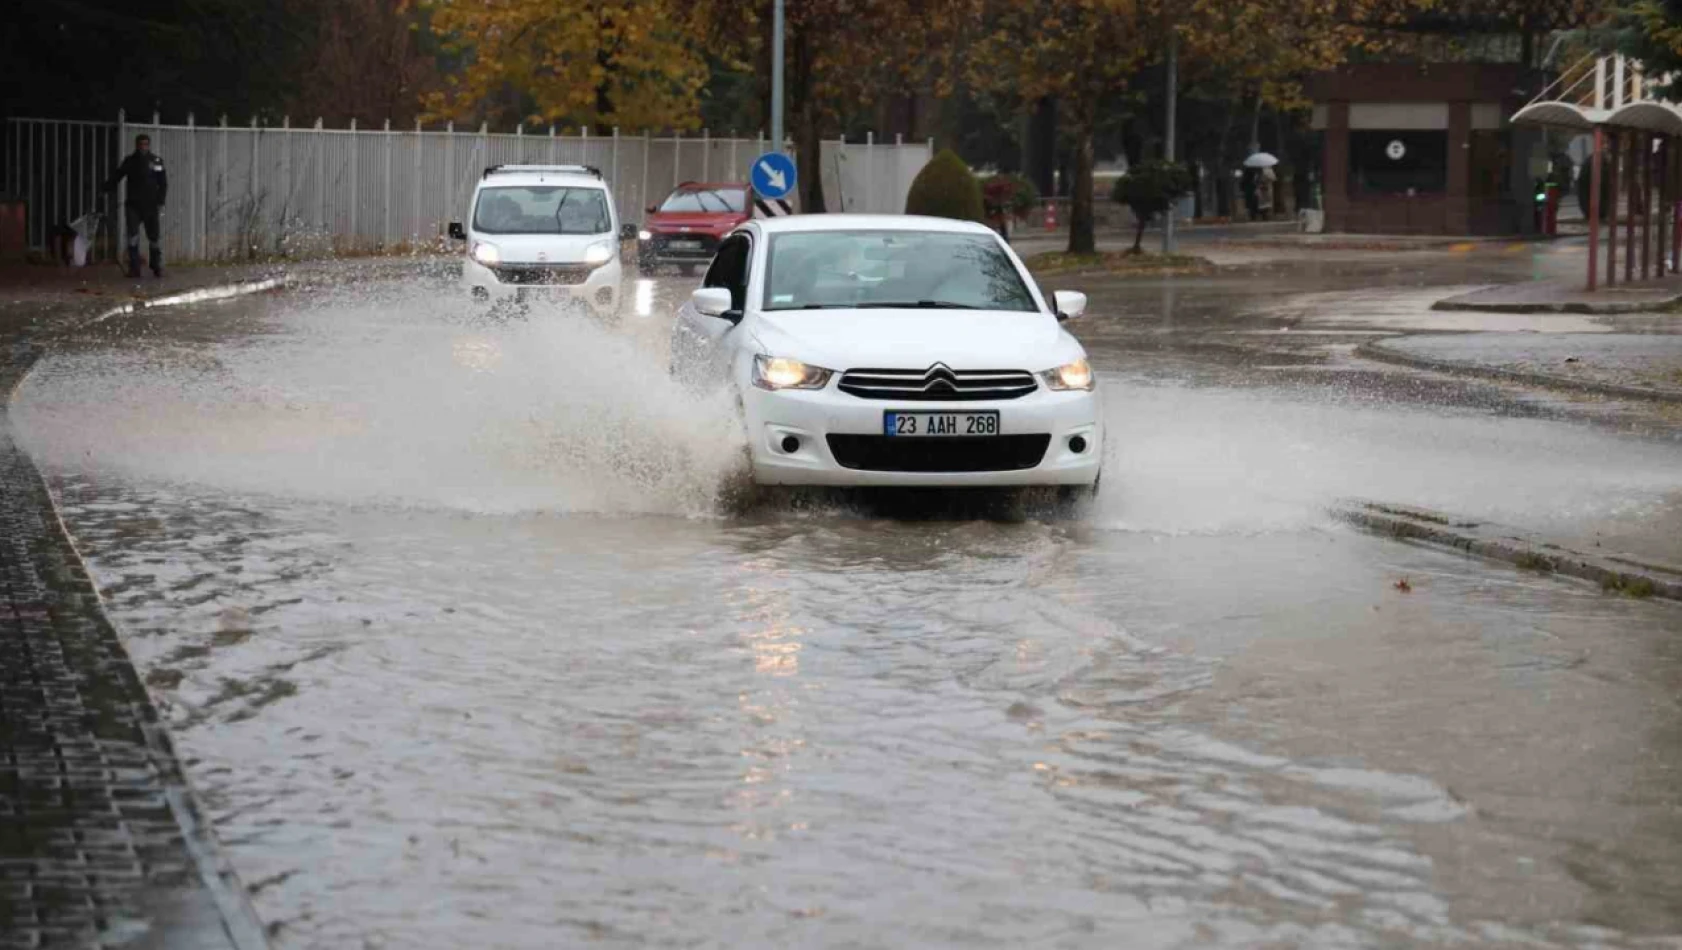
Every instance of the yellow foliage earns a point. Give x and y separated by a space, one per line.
634 63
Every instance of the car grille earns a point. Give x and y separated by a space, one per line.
661 244
937 384
564 274
990 453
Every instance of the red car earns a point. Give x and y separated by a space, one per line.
685 228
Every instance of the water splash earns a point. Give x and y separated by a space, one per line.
399 397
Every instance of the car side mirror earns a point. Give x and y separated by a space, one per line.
627 232
714 302
457 232
1069 304
651 209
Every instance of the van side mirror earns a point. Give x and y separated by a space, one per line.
1069 304
457 232
627 232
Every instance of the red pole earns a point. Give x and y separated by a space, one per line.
1614 140
1632 161
1594 208
1661 167
1676 211
1646 205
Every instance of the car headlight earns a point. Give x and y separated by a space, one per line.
598 253
1074 376
486 253
774 372
645 235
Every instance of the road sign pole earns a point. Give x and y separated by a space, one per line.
777 76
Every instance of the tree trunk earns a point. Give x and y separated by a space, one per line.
1139 235
1255 127
808 141
1223 202
1040 161
1082 225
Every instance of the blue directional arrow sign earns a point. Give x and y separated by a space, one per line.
772 175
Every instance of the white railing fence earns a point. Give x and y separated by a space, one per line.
259 191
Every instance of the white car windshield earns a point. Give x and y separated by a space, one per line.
822 270
542 209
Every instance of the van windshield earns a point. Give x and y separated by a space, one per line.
542 209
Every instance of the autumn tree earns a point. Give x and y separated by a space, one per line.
842 56
1651 31
361 59
600 63
1082 54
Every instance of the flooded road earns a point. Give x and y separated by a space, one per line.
468 640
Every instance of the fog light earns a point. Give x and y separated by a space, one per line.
791 444
1077 444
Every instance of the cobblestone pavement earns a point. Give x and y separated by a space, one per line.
100 842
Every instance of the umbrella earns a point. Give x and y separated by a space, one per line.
1260 160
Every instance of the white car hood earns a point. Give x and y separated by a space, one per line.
917 339
545 248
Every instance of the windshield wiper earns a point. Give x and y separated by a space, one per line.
916 305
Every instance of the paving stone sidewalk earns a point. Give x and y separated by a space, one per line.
101 844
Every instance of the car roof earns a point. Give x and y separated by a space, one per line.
711 186
796 223
526 179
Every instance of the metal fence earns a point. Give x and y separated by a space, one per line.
238 191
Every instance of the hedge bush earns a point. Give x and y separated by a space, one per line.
946 188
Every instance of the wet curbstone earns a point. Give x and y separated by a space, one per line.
1613 573
102 842
1377 351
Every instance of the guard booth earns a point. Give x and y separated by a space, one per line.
1414 148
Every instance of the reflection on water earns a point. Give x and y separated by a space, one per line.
831 730
463 652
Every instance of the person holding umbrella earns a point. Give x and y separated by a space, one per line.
1263 184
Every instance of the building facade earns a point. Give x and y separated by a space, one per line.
1427 148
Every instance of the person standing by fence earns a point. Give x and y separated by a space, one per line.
148 186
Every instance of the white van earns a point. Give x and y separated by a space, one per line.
543 232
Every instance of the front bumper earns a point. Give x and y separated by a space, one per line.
812 417
659 250
599 292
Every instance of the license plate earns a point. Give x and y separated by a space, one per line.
684 245
940 424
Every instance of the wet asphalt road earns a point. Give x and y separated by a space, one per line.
467 642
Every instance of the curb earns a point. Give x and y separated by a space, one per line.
241 926
1460 304
1376 350
1612 572
1603 309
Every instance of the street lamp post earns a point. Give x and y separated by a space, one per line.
777 75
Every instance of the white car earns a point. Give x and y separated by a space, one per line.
543 232
893 351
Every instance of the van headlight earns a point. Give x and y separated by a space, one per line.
774 372
1073 376
486 254
598 253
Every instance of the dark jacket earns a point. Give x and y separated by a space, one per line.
147 183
